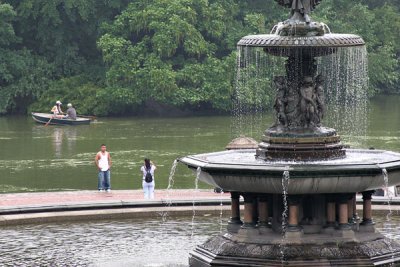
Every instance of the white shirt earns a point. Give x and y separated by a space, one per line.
103 162
144 170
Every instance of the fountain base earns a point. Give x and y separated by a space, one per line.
314 250
310 144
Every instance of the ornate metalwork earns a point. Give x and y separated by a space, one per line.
289 42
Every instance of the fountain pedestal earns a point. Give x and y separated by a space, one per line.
341 246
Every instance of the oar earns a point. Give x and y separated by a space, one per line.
47 123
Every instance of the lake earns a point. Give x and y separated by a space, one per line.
38 158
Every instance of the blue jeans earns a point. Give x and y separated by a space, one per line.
104 180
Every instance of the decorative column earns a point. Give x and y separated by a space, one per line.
367 208
248 211
293 220
263 213
331 212
235 208
343 212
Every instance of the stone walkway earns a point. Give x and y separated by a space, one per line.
74 199
114 195
42 207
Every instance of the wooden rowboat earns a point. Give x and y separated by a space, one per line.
45 117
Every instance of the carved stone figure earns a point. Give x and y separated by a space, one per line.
320 98
280 100
304 7
308 104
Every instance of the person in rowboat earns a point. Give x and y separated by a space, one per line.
71 112
57 111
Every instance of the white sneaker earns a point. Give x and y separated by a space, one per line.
101 190
108 190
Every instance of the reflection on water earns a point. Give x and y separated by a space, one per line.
105 243
63 135
57 141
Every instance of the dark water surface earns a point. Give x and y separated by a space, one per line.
135 242
38 158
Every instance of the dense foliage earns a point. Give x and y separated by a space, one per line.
121 56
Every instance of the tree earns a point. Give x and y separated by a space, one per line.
22 75
177 52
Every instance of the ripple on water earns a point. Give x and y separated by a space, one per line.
105 243
117 243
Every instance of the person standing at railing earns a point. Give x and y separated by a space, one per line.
103 163
148 183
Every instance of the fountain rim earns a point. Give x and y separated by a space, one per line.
330 40
300 170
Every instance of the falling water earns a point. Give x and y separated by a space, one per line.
388 225
346 90
252 91
221 204
389 195
168 201
171 175
196 189
285 187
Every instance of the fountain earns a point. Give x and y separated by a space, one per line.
299 184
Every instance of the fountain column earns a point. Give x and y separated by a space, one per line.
235 208
343 212
263 212
293 220
331 212
367 208
248 211
234 222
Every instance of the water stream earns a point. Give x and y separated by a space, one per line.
171 181
196 189
285 187
221 205
388 225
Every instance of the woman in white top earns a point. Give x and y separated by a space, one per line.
148 186
56 110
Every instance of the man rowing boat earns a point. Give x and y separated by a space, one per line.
71 112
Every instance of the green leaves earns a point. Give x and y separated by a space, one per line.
166 51
7 34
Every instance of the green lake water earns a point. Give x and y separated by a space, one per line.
38 158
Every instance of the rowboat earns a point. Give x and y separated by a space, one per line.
45 117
